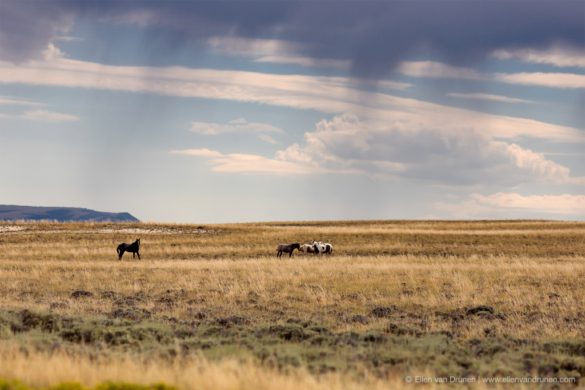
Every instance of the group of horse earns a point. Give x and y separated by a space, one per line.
316 247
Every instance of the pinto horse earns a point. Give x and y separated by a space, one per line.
134 248
320 247
287 248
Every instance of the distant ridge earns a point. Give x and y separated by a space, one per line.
61 214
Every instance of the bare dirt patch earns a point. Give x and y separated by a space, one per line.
8 229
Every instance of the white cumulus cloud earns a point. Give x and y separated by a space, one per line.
351 145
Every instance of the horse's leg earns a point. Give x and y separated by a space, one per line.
138 253
121 254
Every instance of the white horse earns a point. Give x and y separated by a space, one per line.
322 247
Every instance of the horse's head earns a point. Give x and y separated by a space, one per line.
138 241
296 245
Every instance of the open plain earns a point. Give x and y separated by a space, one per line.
210 307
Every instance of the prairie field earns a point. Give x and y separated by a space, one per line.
211 307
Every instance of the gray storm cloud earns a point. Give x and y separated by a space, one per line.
27 28
373 36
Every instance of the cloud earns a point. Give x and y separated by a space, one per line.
373 36
348 145
240 125
332 95
68 38
272 51
307 62
13 101
558 56
376 36
52 52
552 80
431 69
437 70
246 163
562 204
246 47
539 166
202 152
138 17
488 97
511 204
40 115
48 116
28 27
268 138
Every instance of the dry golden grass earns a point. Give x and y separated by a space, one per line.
42 370
530 274
537 295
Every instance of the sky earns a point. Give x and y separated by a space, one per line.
235 111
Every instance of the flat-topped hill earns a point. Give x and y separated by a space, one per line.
61 214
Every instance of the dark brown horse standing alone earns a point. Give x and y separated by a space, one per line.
134 248
287 248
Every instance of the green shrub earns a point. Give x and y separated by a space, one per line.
133 386
16 385
68 386
12 385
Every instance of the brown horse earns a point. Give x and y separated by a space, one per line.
287 248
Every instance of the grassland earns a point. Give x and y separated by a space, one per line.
210 307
